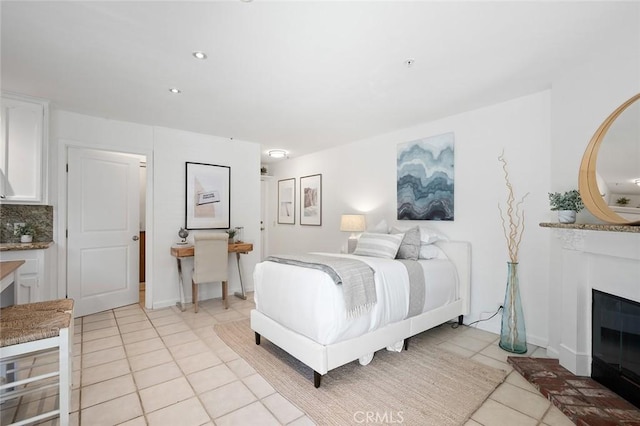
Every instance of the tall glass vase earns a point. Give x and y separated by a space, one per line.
513 336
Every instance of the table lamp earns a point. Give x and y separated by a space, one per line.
352 223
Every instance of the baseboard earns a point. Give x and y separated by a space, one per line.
578 363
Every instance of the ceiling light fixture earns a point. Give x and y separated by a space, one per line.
175 90
637 182
199 55
409 62
277 153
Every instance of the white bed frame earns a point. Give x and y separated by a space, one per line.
322 358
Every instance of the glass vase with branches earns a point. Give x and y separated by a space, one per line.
512 333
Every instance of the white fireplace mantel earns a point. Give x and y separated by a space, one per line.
606 261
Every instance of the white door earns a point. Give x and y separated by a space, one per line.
264 218
103 229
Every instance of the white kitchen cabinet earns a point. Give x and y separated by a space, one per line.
33 283
23 149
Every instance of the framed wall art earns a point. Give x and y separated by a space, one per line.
311 200
425 185
208 196
287 201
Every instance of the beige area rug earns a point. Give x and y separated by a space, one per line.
422 386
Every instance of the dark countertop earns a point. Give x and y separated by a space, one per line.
593 227
25 246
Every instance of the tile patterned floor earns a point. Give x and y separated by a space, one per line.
166 367
585 401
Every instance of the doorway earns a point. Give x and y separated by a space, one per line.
264 217
143 233
103 229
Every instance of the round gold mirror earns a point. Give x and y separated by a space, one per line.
609 179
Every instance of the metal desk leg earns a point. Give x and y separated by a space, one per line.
181 303
241 295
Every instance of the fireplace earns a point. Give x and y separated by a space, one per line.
615 357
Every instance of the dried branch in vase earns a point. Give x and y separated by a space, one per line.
513 217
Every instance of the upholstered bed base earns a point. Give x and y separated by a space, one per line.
322 358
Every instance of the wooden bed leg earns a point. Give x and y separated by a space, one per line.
460 319
257 338
406 344
316 379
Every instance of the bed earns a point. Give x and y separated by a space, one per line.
302 310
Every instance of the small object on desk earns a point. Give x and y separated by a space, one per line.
239 234
183 233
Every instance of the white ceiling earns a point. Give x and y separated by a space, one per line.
301 75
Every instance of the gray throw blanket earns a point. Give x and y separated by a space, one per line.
355 276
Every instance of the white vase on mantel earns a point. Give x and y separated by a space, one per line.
566 216
26 238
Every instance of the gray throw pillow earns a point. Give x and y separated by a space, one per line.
410 246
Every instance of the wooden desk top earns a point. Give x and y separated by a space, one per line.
7 267
187 249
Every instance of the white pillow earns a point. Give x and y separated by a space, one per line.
429 235
378 245
380 228
431 251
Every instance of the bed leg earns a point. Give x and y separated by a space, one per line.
406 344
316 379
460 319
257 338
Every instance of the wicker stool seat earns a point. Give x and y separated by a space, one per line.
34 321
29 330
60 305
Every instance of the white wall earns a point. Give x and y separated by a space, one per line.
172 148
582 98
361 177
166 152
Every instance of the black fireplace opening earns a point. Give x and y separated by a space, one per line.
615 353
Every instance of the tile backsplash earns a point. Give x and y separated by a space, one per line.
38 216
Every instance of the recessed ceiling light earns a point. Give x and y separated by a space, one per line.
277 153
175 90
637 182
199 55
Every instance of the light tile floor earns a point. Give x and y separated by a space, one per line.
166 367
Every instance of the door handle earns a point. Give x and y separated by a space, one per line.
135 238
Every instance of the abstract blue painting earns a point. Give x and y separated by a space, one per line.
426 178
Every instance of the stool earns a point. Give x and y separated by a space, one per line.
36 329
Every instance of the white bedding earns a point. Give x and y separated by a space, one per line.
308 302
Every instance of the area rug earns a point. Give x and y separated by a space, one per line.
424 385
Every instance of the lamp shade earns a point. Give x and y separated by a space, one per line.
352 223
